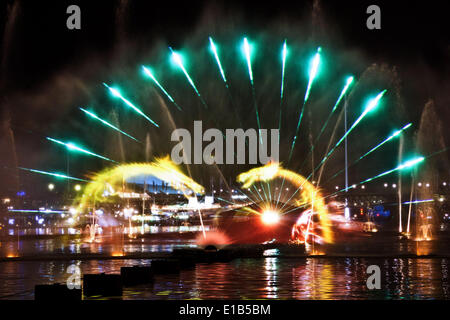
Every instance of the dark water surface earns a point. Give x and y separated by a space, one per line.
272 277
266 278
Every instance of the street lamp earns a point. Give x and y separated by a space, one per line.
51 186
77 187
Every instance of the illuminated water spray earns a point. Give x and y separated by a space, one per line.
106 123
105 184
116 93
72 147
150 74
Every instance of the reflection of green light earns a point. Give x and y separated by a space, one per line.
72 147
116 93
216 55
58 175
149 73
247 53
92 115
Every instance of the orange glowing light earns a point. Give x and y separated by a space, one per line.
117 254
306 191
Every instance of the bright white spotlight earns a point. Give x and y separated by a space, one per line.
270 217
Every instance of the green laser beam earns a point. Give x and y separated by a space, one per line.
312 75
371 105
392 136
395 134
283 65
247 53
150 74
58 175
106 123
313 72
247 57
216 56
116 93
179 61
343 92
72 147
405 165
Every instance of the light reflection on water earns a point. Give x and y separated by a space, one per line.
265 278
74 231
74 246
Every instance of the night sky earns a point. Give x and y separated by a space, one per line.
48 71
